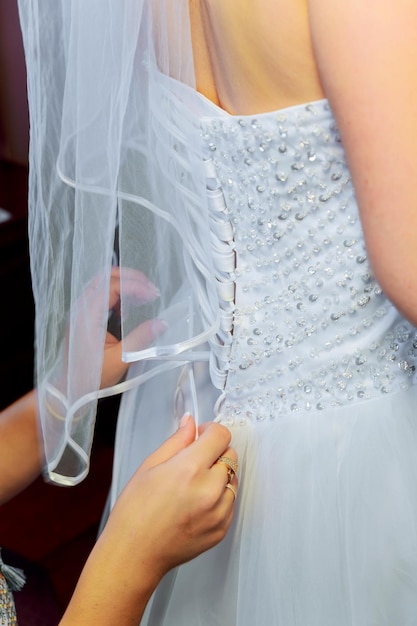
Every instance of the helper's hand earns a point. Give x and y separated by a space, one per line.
139 288
87 327
175 507
179 498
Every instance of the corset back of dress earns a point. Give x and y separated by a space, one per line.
311 326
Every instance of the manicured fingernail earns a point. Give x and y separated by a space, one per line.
159 326
184 420
153 289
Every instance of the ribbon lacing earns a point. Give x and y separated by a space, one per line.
224 261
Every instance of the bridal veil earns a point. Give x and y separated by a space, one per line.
115 180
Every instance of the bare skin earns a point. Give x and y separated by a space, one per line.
21 456
175 506
238 50
252 57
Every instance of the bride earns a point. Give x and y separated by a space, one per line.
256 163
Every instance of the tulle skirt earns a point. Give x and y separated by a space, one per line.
325 530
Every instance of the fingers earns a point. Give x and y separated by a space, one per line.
223 468
213 441
89 323
138 339
143 335
91 303
182 438
135 284
113 367
206 450
207 476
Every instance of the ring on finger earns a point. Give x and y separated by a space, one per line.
232 489
231 465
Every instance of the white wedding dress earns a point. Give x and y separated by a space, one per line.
275 325
319 393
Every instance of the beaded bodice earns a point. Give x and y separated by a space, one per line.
311 326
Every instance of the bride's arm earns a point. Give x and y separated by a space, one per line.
367 60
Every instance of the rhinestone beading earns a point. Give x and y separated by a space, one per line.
311 326
7 608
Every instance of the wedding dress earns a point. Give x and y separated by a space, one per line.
319 392
275 326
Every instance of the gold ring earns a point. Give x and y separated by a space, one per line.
231 465
232 489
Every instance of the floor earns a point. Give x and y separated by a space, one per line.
53 528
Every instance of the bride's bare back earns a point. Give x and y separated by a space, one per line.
245 57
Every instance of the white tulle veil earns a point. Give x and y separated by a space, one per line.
115 179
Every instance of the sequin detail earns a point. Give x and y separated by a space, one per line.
7 608
311 326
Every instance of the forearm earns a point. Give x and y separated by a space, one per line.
114 587
173 508
21 455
